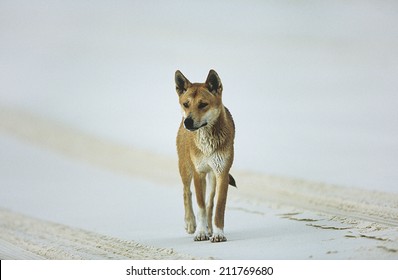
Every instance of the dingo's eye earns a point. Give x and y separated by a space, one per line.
202 105
186 104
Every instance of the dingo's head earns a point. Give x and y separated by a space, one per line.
200 102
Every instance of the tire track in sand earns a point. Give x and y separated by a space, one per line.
23 237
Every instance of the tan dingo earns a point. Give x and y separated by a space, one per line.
205 146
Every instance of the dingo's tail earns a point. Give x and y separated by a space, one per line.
232 181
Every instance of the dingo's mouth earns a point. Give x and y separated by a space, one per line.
192 128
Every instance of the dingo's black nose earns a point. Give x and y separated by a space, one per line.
188 123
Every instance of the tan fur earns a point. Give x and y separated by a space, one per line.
205 143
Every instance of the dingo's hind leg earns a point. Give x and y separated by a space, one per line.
190 221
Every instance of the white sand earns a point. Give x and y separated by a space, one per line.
83 197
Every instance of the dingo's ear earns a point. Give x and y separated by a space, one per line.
213 82
182 83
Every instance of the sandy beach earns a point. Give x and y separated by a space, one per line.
89 116
69 195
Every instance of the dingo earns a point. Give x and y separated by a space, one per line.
205 146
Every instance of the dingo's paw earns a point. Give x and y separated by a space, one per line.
218 238
201 236
218 235
190 225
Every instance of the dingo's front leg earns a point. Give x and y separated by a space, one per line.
200 190
210 202
222 191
